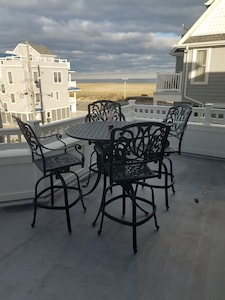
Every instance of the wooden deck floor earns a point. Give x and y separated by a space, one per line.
184 260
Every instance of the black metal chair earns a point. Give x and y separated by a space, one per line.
131 151
104 110
101 111
53 167
177 118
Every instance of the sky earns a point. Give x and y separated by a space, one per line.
102 38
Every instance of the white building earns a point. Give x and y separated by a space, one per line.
35 84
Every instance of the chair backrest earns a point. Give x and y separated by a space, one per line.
104 110
32 140
137 144
177 117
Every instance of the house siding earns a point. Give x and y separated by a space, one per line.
179 64
214 90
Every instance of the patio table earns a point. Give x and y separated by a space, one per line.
99 134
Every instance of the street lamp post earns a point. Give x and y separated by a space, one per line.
1 126
124 87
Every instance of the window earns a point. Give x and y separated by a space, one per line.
200 66
51 95
57 77
57 95
5 106
12 96
38 98
35 77
2 88
10 77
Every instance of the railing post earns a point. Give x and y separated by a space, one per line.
132 103
208 113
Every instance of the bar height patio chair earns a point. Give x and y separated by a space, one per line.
102 111
131 150
177 118
53 164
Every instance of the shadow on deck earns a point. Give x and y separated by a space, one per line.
183 260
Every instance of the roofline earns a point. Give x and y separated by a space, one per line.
196 45
196 24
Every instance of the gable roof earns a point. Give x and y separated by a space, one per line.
42 49
210 27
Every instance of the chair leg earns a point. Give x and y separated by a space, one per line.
154 209
102 207
35 210
166 186
102 210
67 209
168 174
124 202
35 201
102 201
79 189
134 219
89 172
52 190
171 174
95 184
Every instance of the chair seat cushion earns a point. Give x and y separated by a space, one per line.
132 172
58 163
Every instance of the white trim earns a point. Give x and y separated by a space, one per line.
198 22
207 67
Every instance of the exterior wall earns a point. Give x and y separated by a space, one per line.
17 87
214 90
179 64
55 102
167 97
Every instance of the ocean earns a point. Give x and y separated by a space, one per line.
133 80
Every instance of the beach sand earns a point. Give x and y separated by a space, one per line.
90 92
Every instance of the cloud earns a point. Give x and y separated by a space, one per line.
101 36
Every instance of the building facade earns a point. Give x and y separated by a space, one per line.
35 84
200 62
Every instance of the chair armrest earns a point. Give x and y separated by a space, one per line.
78 148
63 146
57 136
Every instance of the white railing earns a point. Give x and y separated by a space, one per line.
208 115
202 115
51 59
169 82
11 138
205 135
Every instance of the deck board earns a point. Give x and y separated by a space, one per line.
184 260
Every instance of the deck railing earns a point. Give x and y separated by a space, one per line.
168 82
208 115
205 135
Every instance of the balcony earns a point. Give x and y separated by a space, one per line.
183 260
168 87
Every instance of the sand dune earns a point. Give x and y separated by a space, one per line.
114 91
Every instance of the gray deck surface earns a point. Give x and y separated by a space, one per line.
184 260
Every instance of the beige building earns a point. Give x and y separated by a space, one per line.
35 84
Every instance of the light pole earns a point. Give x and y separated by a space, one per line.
124 87
30 81
41 96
